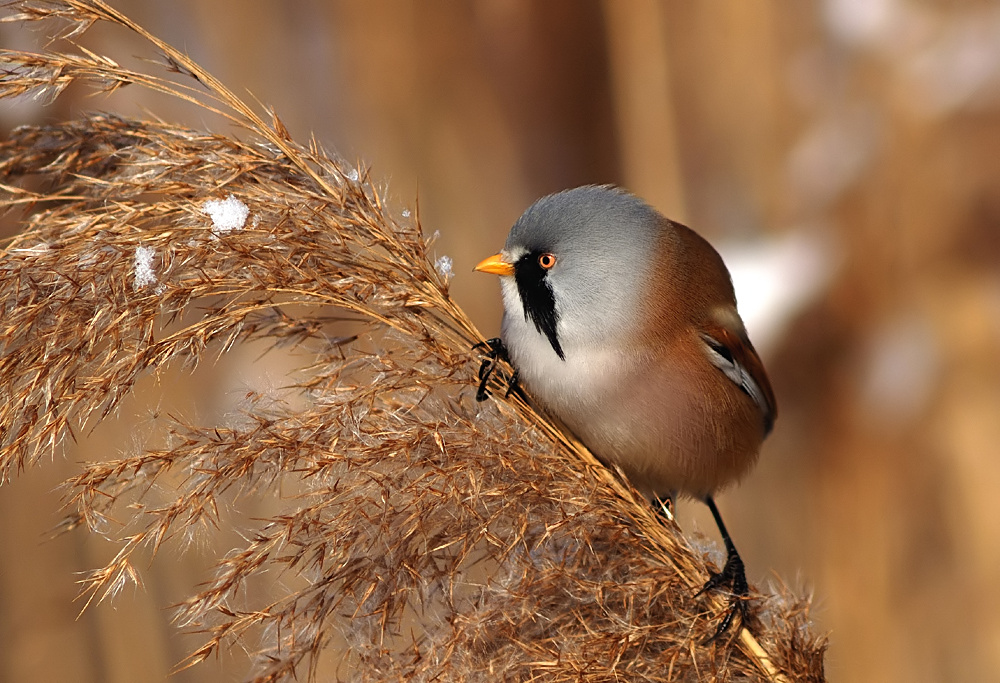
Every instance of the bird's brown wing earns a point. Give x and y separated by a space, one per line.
735 347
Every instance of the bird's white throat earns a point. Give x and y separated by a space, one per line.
593 362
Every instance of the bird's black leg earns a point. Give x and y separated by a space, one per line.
494 350
733 576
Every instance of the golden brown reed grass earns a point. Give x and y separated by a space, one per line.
421 535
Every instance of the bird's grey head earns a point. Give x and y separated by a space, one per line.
603 241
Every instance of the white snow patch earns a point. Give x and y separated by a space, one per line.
777 279
227 214
406 213
444 267
862 21
144 273
353 175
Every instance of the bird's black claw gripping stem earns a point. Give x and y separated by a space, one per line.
733 576
494 350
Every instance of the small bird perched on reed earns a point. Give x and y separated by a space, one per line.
623 325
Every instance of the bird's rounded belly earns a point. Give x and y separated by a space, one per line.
655 428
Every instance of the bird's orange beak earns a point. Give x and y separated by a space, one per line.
496 265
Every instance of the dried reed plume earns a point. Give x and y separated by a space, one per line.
421 536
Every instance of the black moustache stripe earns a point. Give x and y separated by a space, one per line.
537 299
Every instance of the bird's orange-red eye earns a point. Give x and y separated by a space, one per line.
546 261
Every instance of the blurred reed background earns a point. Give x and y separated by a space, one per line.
845 157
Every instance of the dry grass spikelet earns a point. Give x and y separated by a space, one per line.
421 535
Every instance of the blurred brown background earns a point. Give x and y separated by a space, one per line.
845 154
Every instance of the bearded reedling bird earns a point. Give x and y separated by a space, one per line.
623 325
